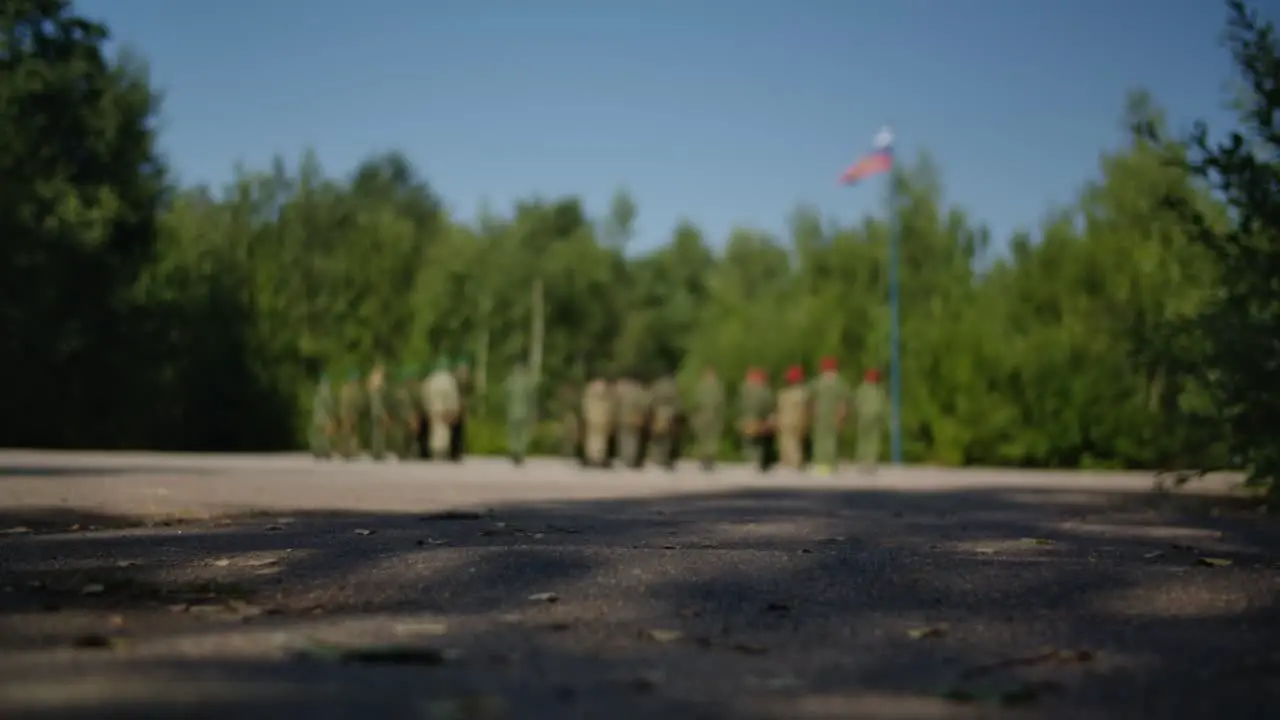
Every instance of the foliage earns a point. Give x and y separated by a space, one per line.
143 314
1240 323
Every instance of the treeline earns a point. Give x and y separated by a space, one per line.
138 313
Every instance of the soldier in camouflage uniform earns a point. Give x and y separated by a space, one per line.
405 408
870 407
708 417
380 418
443 403
322 415
792 419
350 402
597 421
664 414
568 410
831 396
755 416
520 391
458 433
631 399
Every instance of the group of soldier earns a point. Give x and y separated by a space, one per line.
621 416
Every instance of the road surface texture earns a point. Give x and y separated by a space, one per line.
146 585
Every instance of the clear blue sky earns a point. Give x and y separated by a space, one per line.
725 111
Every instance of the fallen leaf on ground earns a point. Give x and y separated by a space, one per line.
544 597
95 641
93 589
1025 693
782 682
469 707
379 654
1048 655
1213 562
454 515
1074 655
364 531
116 621
222 562
663 636
426 627
984 551
1153 554
647 681
929 631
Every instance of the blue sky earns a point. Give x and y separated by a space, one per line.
727 112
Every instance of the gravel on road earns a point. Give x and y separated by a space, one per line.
148 585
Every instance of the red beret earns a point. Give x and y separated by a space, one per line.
795 374
828 364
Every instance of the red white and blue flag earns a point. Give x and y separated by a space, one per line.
879 160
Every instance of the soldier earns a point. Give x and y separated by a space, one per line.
869 404
406 402
632 407
708 417
322 425
349 403
380 419
520 412
568 412
458 431
443 402
755 416
793 419
597 421
664 412
831 395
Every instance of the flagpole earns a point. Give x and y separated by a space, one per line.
895 327
880 160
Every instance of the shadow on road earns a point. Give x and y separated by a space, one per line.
46 471
779 604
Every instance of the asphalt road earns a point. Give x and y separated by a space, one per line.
147 585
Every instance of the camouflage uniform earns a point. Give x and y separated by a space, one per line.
870 405
380 419
632 408
322 425
350 400
755 416
406 401
793 419
708 417
443 403
831 397
458 431
664 414
568 409
597 420
520 391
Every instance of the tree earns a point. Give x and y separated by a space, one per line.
1242 323
80 186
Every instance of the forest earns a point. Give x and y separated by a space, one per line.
1135 328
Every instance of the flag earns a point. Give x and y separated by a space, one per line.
879 160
